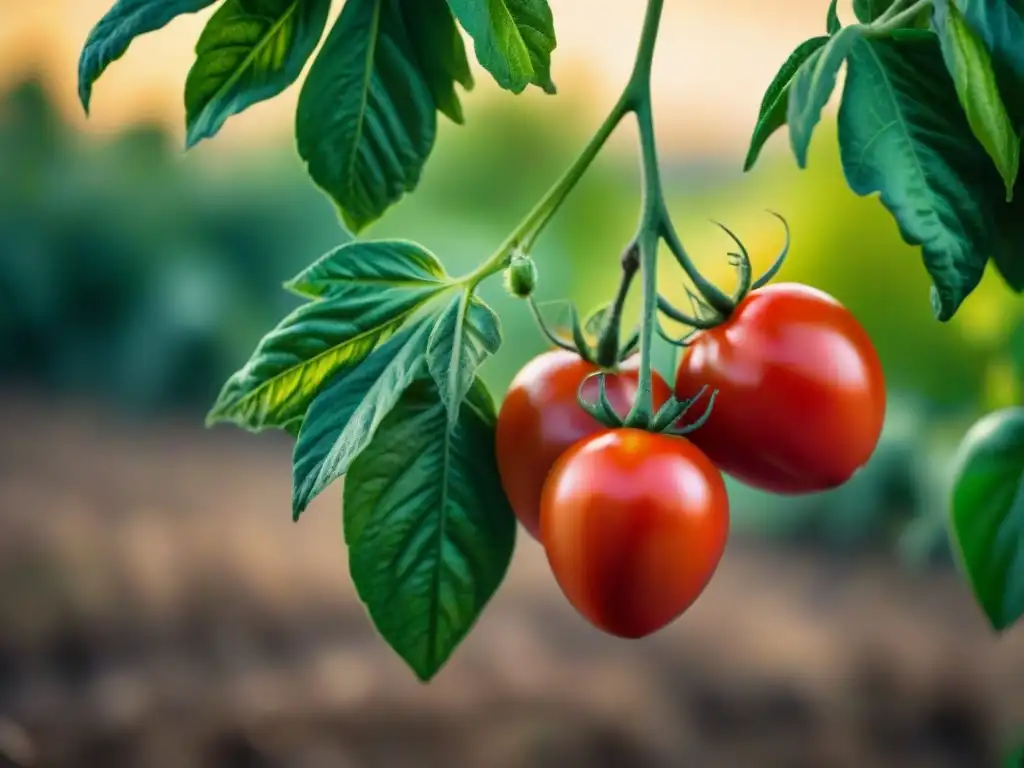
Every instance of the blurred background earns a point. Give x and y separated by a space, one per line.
159 608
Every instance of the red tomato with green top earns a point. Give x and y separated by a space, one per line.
801 398
541 417
634 525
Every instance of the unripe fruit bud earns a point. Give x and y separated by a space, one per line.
520 276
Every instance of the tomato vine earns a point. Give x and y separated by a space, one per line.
376 374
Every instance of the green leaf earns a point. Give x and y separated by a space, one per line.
832 23
772 114
250 51
429 531
902 134
365 266
440 52
513 40
1000 23
969 63
812 87
110 38
987 514
367 114
465 335
359 310
351 406
867 11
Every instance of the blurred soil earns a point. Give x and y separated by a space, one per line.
159 609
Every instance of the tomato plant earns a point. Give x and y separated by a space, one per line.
634 525
376 374
541 417
802 395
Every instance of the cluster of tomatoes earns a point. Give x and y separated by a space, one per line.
634 523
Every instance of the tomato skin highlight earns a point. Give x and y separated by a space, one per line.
802 396
634 525
541 417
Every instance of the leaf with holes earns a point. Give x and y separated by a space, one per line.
970 64
250 51
367 114
513 40
374 289
110 38
429 531
772 114
465 335
347 412
988 514
812 87
902 134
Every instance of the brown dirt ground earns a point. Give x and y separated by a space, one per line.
158 609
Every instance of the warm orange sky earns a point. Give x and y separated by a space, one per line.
714 61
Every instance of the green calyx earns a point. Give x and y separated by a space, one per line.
591 338
710 310
667 419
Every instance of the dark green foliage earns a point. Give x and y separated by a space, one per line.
902 134
125 21
429 530
251 50
926 99
988 514
775 104
367 115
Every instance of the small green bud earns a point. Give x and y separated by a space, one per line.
520 276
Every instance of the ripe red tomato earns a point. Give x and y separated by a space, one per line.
801 391
541 417
634 525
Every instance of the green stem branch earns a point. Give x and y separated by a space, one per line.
608 343
526 233
652 209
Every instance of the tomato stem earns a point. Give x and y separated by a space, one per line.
529 229
642 412
608 352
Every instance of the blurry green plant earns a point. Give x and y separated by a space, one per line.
378 372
